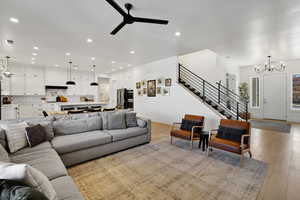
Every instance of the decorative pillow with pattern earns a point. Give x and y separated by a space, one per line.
16 136
28 175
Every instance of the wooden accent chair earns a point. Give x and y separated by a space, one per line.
177 132
230 145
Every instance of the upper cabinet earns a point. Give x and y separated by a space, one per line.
17 81
34 81
55 76
5 89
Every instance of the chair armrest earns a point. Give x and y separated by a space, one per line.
242 140
212 132
175 124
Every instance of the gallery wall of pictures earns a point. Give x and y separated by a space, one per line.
153 88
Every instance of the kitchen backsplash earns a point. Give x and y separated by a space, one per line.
37 99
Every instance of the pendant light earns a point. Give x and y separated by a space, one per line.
70 82
6 71
94 83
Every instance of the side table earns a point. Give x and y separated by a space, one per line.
204 136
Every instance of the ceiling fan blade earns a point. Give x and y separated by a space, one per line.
118 28
148 20
117 7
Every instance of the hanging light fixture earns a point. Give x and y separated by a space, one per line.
94 83
5 68
70 82
270 67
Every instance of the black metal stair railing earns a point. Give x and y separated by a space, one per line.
218 97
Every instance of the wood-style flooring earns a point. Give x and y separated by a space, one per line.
280 150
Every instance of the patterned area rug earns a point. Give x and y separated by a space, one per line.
163 171
271 125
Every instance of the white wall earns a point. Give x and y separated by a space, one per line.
205 64
165 109
292 67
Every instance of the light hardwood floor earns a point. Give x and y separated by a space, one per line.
280 150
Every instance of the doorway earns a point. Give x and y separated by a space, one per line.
274 96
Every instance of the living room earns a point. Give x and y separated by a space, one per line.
149 100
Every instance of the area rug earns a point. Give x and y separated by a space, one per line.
160 170
283 127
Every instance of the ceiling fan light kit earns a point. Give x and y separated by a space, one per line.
129 19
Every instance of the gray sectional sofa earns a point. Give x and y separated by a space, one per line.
77 138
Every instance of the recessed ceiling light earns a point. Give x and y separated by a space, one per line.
129 65
89 40
32 58
132 52
9 42
56 65
113 62
34 54
93 58
68 54
177 33
75 68
32 62
35 48
14 20
121 67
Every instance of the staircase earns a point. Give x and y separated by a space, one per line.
218 97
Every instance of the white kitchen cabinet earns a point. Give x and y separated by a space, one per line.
34 81
17 84
5 87
9 111
55 76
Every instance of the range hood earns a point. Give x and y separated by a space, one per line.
57 87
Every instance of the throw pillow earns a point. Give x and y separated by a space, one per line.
131 120
116 121
28 175
3 154
16 136
232 134
142 123
35 135
48 127
187 125
10 190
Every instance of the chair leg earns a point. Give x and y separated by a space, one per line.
192 143
242 160
171 140
250 154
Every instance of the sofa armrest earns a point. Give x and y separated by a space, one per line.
147 125
243 139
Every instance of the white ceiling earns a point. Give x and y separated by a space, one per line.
245 31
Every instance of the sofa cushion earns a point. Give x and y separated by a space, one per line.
66 189
28 175
122 134
232 134
42 146
16 136
3 154
131 120
68 127
69 143
46 161
116 121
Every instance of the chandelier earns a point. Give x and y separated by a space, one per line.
270 66
4 68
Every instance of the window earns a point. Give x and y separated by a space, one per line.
254 92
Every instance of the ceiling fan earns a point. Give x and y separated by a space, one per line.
129 19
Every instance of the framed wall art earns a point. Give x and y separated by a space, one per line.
168 82
151 88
